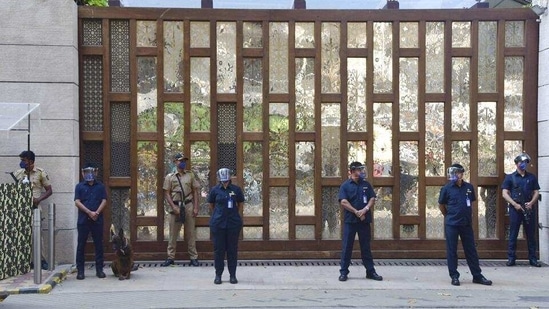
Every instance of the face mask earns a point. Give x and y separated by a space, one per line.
182 165
89 176
453 177
523 165
362 175
23 164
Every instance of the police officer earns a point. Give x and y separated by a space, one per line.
455 202
357 197
521 191
90 197
226 200
181 188
41 189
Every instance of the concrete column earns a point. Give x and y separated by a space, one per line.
543 130
39 64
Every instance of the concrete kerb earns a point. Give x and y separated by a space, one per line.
61 272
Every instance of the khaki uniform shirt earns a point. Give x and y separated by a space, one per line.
188 181
38 177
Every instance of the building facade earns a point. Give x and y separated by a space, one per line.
287 99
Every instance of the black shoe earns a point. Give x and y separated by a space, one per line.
100 274
217 279
482 280
535 263
168 262
455 281
510 262
44 265
233 280
374 276
80 276
194 262
342 277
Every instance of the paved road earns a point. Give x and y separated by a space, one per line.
268 285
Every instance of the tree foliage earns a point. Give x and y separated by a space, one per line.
92 2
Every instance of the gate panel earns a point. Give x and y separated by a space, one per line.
288 98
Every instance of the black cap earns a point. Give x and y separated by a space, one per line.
27 154
356 165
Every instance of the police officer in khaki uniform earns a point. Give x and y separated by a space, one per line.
41 188
181 187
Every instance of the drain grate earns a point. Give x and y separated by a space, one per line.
265 263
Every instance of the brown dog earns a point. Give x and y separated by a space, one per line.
122 265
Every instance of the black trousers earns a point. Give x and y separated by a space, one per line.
465 232
364 234
96 230
225 242
516 219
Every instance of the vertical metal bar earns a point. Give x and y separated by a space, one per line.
36 246
51 236
29 132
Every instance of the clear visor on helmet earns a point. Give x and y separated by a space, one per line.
524 157
224 174
453 172
88 173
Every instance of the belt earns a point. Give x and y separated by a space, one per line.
179 202
185 202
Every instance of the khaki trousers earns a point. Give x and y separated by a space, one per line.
190 233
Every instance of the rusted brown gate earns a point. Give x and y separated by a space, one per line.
287 98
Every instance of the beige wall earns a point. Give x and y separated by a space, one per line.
39 64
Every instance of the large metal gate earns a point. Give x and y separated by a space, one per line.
287 98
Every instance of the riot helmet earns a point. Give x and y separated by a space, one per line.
523 157
89 172
455 169
224 174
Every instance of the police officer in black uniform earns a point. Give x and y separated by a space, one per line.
226 201
357 198
455 202
521 191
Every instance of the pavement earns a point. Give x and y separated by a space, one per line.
284 284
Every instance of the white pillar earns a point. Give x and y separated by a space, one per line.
543 130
